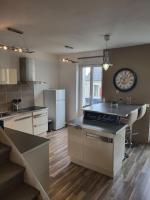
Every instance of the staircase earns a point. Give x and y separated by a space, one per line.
12 186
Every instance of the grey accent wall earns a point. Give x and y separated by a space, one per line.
136 58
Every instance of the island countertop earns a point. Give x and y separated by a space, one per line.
123 110
98 126
23 141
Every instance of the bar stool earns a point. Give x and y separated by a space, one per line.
132 119
133 116
142 111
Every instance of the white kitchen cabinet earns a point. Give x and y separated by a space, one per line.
9 123
97 150
21 122
31 122
40 122
75 143
8 76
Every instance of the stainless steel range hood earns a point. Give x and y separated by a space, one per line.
27 71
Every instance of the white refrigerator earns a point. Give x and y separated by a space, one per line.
55 101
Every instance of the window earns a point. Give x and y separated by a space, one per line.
91 85
95 90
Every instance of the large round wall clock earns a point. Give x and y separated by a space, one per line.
125 79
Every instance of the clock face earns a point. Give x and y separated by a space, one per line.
125 79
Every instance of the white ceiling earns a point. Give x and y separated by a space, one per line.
50 24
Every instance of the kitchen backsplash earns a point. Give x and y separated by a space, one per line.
25 92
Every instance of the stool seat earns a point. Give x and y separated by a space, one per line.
133 117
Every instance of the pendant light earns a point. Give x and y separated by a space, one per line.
106 59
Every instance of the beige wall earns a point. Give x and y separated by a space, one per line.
46 66
137 58
67 81
68 78
46 69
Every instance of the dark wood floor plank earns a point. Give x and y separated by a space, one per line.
72 182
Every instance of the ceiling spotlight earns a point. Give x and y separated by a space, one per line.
5 47
20 50
65 60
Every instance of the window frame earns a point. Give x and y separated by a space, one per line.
91 83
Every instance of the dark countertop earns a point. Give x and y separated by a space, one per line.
23 110
31 109
23 141
98 126
122 110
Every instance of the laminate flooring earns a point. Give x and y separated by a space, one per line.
69 181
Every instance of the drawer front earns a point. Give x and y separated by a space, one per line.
40 128
98 150
42 119
40 112
21 122
22 117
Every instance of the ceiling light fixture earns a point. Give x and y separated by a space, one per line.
69 47
14 48
106 59
5 47
67 60
20 50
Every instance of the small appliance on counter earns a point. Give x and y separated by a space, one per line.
15 104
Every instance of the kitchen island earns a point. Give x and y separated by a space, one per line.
100 147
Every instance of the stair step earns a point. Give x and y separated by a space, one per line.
22 192
4 153
10 175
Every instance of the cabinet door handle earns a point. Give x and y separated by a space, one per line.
92 135
99 137
40 115
22 118
40 125
77 126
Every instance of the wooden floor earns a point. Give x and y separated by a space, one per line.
72 182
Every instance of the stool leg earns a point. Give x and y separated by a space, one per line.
130 138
